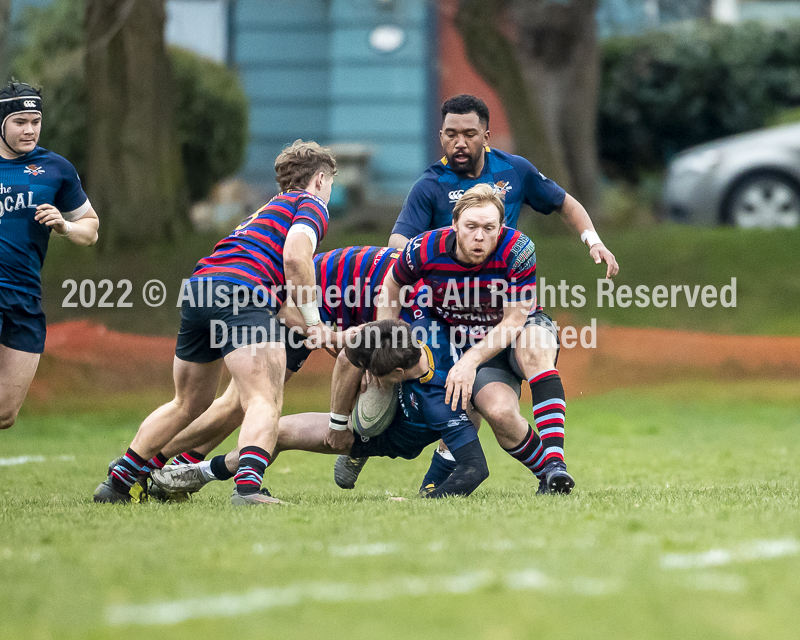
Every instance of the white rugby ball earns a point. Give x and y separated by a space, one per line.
375 409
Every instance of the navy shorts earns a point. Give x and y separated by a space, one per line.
211 331
406 439
22 321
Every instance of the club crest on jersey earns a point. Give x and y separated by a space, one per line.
502 186
414 402
33 170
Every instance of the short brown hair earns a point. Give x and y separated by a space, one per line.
382 346
479 196
299 162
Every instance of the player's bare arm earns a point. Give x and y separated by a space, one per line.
397 241
462 376
298 265
82 232
574 214
345 385
389 302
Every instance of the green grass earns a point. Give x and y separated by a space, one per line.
763 262
681 469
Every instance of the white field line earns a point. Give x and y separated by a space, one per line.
8 462
750 552
228 605
355 550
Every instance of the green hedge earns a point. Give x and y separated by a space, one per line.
664 91
212 109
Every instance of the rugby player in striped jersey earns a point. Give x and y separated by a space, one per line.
481 279
348 282
228 316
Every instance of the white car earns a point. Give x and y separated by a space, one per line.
751 180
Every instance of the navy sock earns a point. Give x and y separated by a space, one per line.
220 469
439 471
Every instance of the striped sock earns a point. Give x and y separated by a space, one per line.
127 470
253 462
156 462
529 452
549 409
188 457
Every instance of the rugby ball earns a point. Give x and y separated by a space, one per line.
375 409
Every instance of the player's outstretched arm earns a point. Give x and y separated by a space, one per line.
574 215
345 384
471 469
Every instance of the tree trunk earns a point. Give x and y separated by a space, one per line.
134 166
542 58
5 30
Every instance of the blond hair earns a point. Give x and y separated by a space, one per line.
298 163
479 196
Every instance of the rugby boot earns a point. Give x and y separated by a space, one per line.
106 492
346 470
543 489
557 478
184 478
252 499
426 490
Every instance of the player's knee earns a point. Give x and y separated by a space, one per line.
535 357
7 419
501 415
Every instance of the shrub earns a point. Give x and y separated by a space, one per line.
212 107
664 91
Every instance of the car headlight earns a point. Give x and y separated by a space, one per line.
702 162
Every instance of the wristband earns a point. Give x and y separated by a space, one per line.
310 313
338 422
68 227
591 238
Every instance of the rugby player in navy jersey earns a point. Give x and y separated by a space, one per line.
388 349
40 192
467 161
228 316
481 279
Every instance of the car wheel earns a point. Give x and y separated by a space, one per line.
764 201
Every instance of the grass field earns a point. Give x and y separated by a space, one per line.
685 524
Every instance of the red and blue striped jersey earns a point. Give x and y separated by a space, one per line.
468 295
349 279
252 255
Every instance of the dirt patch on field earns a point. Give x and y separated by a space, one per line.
82 357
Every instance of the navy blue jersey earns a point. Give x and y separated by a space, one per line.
430 202
38 177
471 296
349 279
423 414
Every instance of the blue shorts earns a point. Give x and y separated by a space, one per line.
22 321
406 439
